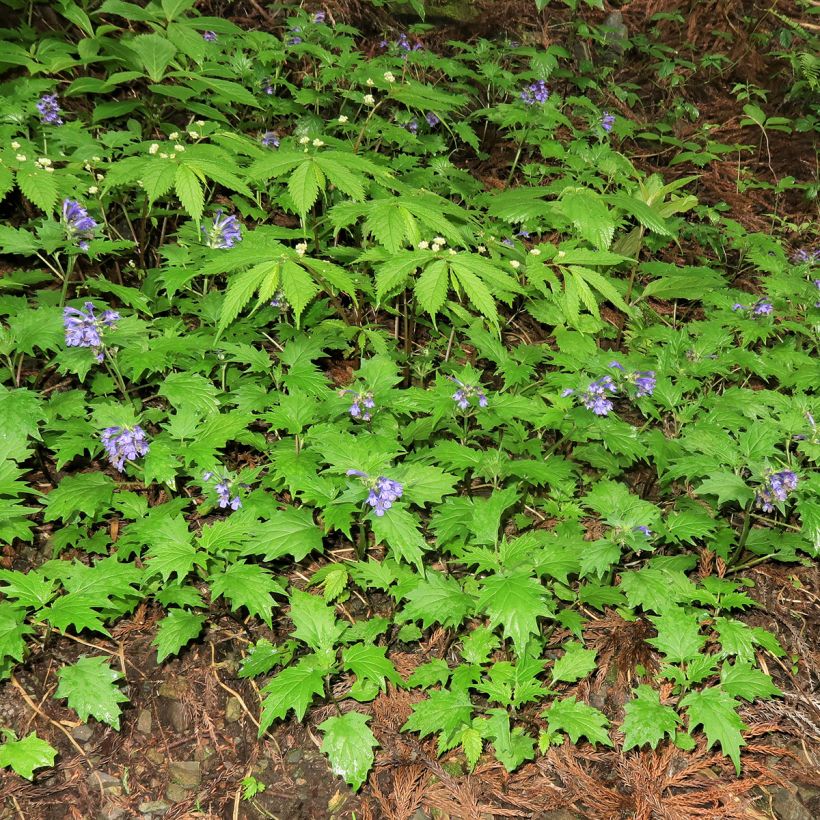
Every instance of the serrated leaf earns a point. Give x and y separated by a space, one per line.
77 610
290 531
89 493
155 53
715 710
293 688
249 586
314 620
727 487
473 744
432 285
90 688
578 720
175 630
304 185
444 712
348 744
39 187
576 663
12 629
400 531
515 600
437 598
171 551
190 390
26 755
742 680
189 191
368 662
679 635
298 287
587 210
646 720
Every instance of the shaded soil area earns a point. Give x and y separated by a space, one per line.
188 736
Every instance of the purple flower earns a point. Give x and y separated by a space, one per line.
403 43
536 92
267 88
83 328
210 36
49 110
645 382
761 308
466 392
432 119
362 404
508 242
413 126
270 139
806 257
616 364
644 529
382 491
523 234
124 444
294 41
78 224
319 17
223 491
224 232
279 300
737 306
595 396
607 121
776 487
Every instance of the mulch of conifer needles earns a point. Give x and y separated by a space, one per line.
189 733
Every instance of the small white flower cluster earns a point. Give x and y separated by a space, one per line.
45 163
300 248
436 245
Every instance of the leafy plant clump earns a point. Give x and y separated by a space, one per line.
260 314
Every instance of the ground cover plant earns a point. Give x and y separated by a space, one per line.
382 377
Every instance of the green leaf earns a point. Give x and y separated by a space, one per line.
290 531
742 680
727 487
293 688
264 655
88 493
26 755
578 720
77 610
424 484
473 744
588 212
444 711
715 710
437 598
432 285
89 686
511 748
247 585
679 635
189 192
368 662
314 620
515 600
12 629
171 551
39 187
155 53
175 630
348 744
190 390
298 287
575 664
304 185
646 720
27 589
400 531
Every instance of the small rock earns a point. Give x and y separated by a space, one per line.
176 793
155 756
153 806
107 782
233 710
293 756
144 722
173 713
82 733
173 688
112 812
186 773
787 806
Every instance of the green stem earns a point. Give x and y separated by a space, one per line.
66 279
744 534
517 155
